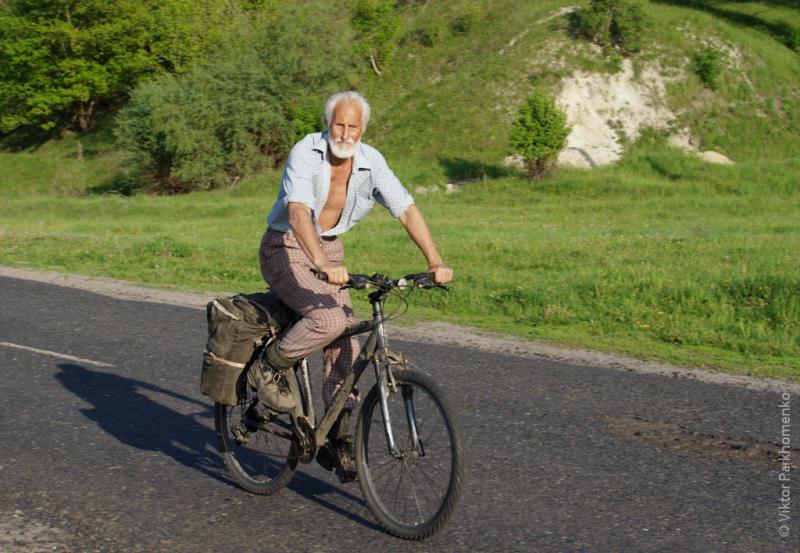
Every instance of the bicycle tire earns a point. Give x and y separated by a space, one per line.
256 467
375 466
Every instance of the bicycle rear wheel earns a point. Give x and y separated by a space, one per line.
412 495
258 461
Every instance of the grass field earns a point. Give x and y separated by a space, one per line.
661 256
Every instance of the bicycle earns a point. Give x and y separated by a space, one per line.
408 445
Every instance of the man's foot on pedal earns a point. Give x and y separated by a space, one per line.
339 458
272 389
345 459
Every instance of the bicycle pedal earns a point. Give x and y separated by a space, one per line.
241 436
348 473
346 477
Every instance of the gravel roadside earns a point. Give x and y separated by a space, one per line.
429 332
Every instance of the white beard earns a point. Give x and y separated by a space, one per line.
342 152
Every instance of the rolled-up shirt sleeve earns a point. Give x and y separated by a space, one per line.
389 192
297 180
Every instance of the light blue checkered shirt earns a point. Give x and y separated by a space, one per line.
307 177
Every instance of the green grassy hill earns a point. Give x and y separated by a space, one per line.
661 255
456 100
444 112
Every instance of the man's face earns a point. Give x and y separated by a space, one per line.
345 129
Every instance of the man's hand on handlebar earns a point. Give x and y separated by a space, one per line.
442 274
337 274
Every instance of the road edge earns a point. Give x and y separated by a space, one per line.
431 333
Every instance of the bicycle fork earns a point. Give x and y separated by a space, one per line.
388 386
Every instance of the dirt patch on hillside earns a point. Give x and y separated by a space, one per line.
432 333
603 109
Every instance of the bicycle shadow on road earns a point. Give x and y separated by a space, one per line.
120 408
314 489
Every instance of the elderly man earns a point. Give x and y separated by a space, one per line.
330 182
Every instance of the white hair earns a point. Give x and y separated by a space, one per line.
347 96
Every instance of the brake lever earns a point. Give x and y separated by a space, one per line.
359 283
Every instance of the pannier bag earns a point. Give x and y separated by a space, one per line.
237 325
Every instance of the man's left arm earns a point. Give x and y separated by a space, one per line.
417 229
393 196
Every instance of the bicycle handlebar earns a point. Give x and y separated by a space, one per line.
360 281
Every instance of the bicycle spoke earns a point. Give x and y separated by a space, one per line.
428 478
414 490
397 488
384 473
383 463
430 481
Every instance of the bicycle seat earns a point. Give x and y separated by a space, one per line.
273 307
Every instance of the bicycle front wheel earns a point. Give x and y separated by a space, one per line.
259 461
413 492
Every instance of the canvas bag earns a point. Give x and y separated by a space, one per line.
237 325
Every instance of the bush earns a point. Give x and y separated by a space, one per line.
378 29
708 66
433 32
616 23
793 41
539 133
469 20
627 28
240 113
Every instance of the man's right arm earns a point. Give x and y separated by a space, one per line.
306 234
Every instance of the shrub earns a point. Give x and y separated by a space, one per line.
616 23
378 29
708 66
241 112
627 27
433 32
794 40
539 133
469 20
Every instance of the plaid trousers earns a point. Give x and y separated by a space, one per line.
325 309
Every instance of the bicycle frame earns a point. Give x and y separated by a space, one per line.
376 344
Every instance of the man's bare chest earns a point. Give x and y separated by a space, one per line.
337 191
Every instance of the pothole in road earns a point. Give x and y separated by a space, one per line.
678 438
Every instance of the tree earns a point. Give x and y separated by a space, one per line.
617 23
60 59
378 29
240 112
539 133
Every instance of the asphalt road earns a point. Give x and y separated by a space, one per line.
560 458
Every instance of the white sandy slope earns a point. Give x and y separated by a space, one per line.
601 108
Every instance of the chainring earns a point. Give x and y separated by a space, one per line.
306 439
